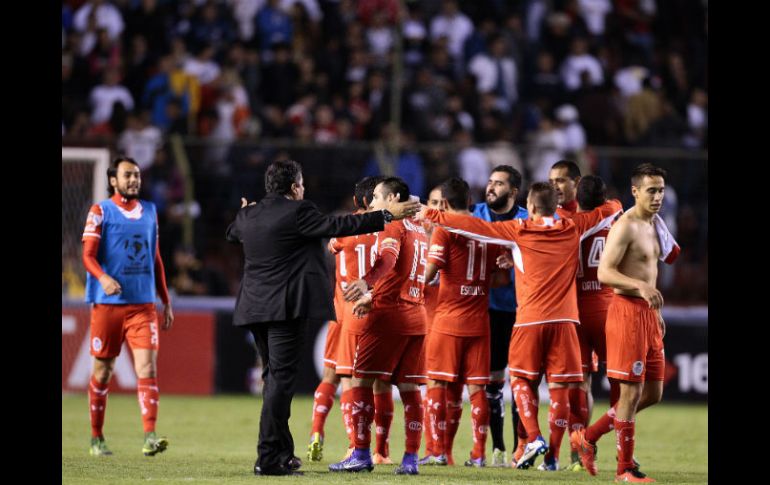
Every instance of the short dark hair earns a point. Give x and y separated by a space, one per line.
112 171
364 190
591 192
573 171
646 170
514 176
543 197
396 185
457 193
280 175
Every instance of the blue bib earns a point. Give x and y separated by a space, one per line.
127 254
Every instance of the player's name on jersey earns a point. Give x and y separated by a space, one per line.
591 285
472 290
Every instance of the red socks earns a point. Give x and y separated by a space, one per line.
412 419
602 426
148 395
362 415
480 423
454 410
323 400
624 434
526 401
558 416
97 403
383 417
436 412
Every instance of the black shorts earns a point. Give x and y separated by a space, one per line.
501 326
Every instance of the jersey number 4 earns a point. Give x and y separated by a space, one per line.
597 247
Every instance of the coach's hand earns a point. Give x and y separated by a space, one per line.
168 317
401 210
109 285
355 290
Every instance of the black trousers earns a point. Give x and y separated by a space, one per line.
280 345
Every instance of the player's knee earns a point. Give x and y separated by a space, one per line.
103 369
145 370
631 394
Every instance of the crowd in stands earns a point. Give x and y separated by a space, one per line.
524 83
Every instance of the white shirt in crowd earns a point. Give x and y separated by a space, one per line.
456 28
206 72
107 17
572 67
594 12
474 167
103 97
485 68
141 145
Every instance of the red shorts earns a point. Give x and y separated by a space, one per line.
549 347
137 324
346 351
458 359
332 343
634 341
391 357
591 337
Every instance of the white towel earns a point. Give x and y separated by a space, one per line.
669 249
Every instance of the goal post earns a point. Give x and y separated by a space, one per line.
84 182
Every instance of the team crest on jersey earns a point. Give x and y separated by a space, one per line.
436 247
138 254
96 344
638 368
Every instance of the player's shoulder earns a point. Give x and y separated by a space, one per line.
97 208
625 225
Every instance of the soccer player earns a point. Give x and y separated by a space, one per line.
458 349
593 298
565 177
502 189
544 336
121 253
634 328
354 256
454 390
430 291
391 346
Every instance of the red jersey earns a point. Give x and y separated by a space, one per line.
465 276
403 284
589 290
545 254
354 257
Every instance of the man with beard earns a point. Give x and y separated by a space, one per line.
121 253
502 189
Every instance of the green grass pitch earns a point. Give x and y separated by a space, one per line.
213 440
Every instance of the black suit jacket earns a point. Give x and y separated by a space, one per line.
284 275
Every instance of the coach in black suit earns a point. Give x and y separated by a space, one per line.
285 284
